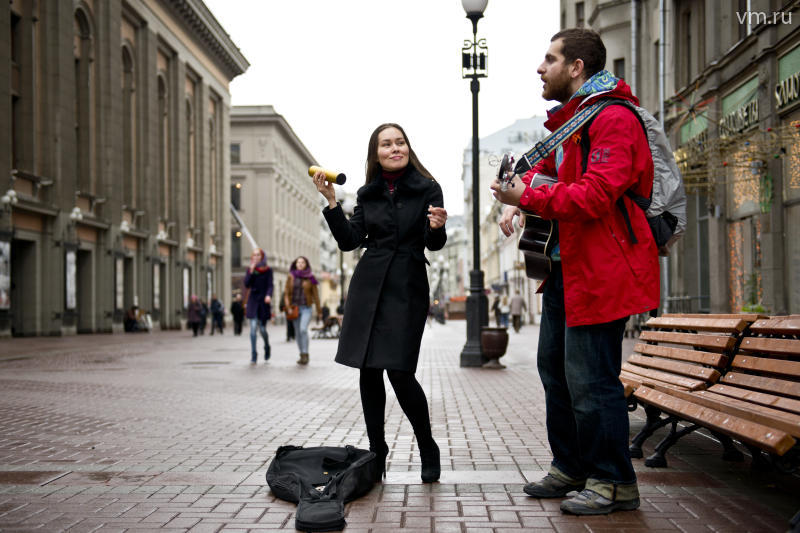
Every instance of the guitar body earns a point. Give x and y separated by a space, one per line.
536 244
539 236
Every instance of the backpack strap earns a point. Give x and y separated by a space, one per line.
641 201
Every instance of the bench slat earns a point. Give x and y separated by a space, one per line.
778 325
682 354
637 381
709 342
779 367
684 369
761 398
764 384
784 347
727 325
788 422
770 439
747 317
689 383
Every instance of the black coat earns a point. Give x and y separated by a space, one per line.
387 303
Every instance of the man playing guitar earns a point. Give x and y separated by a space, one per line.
598 276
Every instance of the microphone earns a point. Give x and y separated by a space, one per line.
333 177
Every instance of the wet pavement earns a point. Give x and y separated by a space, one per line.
138 432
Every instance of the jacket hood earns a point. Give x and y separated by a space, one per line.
601 85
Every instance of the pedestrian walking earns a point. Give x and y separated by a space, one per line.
301 290
518 305
496 310
399 212
203 317
289 323
598 277
217 313
193 314
258 279
505 310
237 313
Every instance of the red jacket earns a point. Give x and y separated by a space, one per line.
606 276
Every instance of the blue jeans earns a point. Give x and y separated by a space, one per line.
587 415
255 323
301 327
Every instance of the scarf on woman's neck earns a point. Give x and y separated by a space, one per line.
304 274
392 177
261 266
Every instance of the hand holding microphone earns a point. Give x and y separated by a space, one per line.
333 177
324 180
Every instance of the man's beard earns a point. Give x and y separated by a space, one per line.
557 89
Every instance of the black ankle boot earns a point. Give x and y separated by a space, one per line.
431 466
381 453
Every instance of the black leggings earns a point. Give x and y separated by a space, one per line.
410 396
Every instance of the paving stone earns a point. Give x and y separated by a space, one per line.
101 434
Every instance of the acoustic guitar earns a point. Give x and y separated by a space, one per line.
539 236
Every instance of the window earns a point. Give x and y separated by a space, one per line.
744 28
190 162
84 76
580 17
129 144
236 153
686 19
15 89
163 142
619 67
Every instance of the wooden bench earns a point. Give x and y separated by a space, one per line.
685 352
756 401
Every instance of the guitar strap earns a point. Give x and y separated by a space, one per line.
544 148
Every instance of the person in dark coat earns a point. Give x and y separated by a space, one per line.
259 280
237 312
398 213
217 312
193 314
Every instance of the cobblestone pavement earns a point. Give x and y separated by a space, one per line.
136 432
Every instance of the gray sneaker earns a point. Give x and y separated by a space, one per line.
588 502
551 487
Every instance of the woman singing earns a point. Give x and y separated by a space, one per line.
399 212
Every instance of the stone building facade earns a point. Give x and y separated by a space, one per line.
731 106
114 144
273 193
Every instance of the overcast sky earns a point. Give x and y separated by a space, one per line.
337 69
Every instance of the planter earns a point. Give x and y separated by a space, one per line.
494 342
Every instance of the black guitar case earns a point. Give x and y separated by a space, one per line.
321 480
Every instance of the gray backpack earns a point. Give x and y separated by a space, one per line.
666 207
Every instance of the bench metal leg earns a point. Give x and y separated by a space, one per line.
658 459
730 452
654 422
760 461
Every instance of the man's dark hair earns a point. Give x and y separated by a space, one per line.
584 44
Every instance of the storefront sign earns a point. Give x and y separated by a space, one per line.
787 91
739 120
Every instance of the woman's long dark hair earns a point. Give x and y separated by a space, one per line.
373 169
293 266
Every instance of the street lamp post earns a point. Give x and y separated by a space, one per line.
473 66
